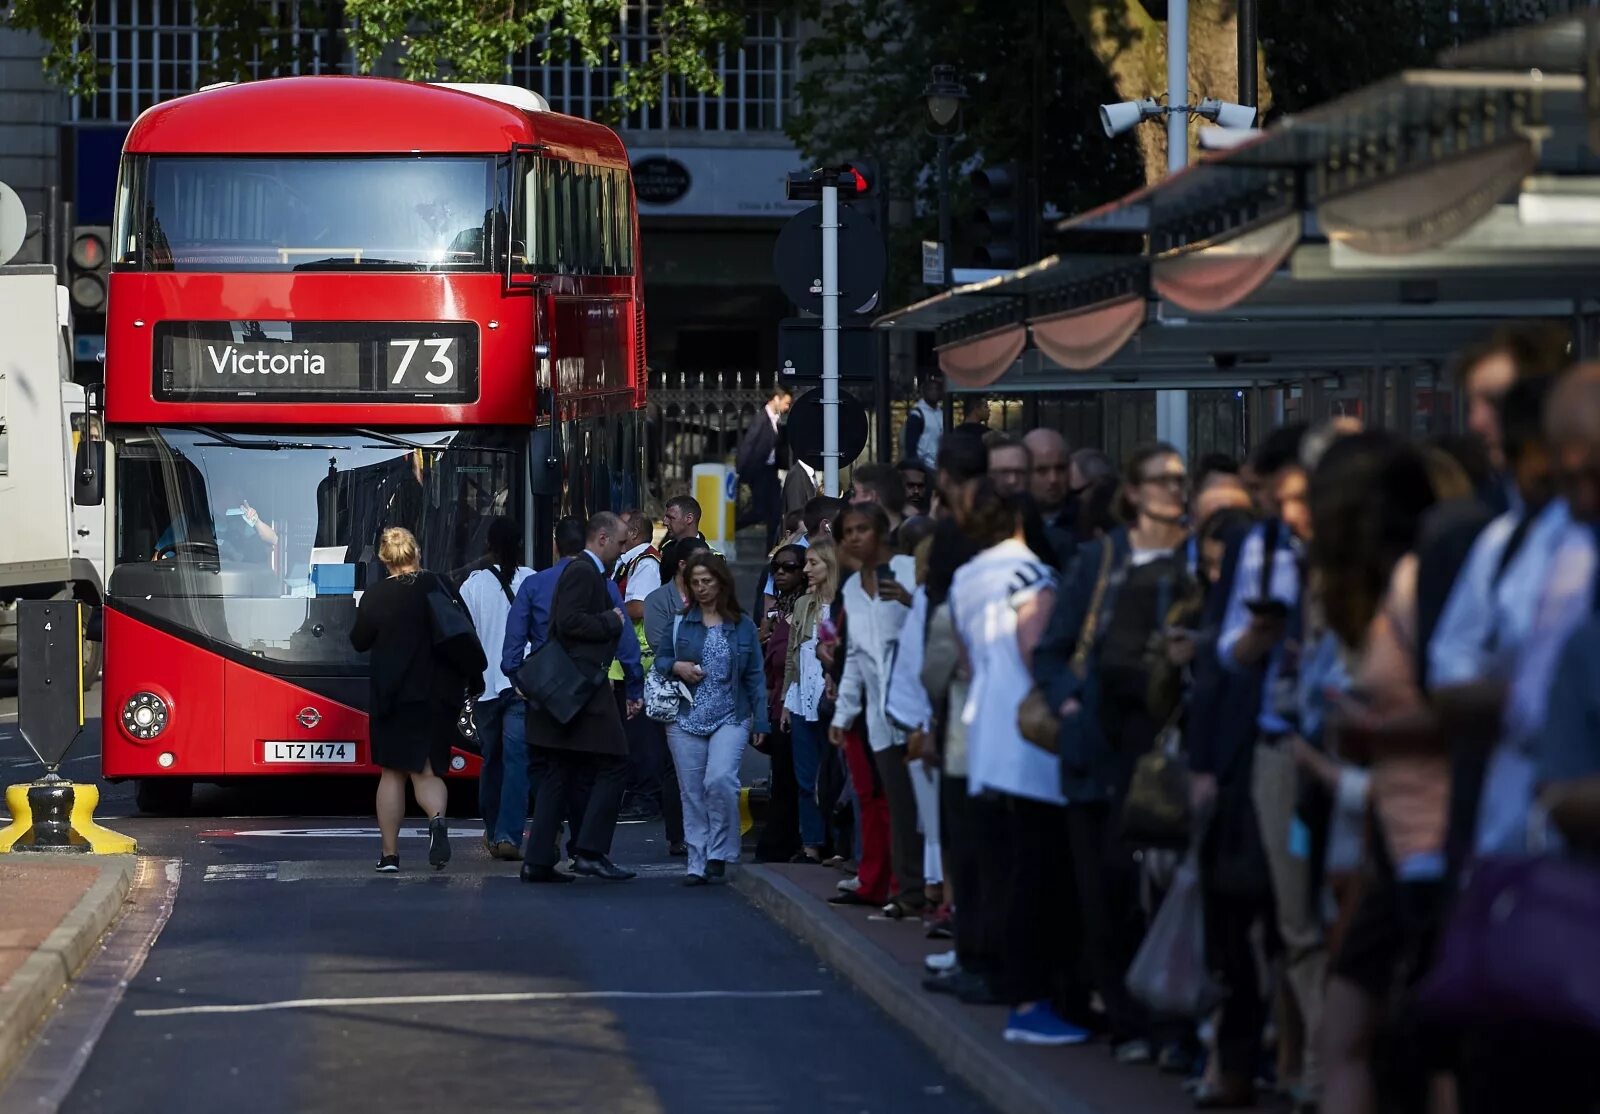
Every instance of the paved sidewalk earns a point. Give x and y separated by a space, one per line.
53 911
884 959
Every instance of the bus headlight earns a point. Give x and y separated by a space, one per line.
145 715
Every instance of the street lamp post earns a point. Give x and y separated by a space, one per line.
943 96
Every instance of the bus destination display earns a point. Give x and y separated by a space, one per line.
327 361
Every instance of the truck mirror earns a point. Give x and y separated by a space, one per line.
89 473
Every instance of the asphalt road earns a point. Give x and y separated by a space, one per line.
634 997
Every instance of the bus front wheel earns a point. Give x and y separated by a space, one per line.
164 796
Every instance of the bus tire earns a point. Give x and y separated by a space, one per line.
164 796
91 662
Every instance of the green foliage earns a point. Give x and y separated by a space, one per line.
467 40
860 96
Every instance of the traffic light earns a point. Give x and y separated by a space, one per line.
998 227
806 185
90 265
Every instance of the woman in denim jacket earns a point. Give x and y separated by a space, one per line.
713 649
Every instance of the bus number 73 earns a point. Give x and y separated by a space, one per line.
441 357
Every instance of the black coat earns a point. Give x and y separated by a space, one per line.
760 441
583 622
417 688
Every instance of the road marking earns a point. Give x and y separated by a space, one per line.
64 1043
332 833
461 999
233 872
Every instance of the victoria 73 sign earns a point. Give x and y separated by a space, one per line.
322 360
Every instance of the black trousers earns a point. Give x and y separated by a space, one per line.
647 753
671 803
1106 881
766 502
1229 921
780 836
968 826
559 773
905 841
1035 869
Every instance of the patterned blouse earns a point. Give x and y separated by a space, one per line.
714 701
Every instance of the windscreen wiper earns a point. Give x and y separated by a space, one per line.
268 446
407 443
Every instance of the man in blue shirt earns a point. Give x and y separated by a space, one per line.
1261 628
526 630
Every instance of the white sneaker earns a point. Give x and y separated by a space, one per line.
849 885
940 962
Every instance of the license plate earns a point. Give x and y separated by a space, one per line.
309 752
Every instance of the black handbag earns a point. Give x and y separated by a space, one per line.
552 681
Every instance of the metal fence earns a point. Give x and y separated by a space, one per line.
696 418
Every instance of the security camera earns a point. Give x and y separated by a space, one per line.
1118 118
1226 114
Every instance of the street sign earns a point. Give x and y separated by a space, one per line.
797 259
800 349
805 428
50 676
932 263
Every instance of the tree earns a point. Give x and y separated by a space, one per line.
467 40
863 71
1132 46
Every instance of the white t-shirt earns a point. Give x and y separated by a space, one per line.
984 599
489 608
805 696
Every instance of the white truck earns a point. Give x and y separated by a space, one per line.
49 548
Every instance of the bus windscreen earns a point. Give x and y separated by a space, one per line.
240 213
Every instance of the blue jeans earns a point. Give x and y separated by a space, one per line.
808 738
490 715
511 816
708 781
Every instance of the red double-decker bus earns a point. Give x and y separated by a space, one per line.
340 304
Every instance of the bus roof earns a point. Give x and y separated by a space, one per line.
336 115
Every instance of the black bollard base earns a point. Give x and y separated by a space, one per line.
56 815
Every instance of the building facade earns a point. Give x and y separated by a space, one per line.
709 168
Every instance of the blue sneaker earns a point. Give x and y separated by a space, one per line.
1041 1025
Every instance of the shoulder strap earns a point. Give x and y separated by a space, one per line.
1091 619
1513 544
1269 552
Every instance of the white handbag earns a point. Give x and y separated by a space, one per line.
664 694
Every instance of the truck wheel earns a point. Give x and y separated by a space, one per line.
164 796
91 662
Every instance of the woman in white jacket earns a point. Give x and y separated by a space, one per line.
876 601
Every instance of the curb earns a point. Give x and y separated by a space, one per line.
956 1040
27 997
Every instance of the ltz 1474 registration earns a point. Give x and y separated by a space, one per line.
309 752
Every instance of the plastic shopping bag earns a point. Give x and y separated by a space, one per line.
1169 975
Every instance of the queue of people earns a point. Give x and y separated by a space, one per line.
1325 718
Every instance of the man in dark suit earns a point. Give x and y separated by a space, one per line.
587 626
757 463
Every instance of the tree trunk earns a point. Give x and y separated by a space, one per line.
1133 48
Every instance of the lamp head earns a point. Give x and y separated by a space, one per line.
1226 114
1120 117
944 95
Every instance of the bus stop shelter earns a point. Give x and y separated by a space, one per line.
1332 263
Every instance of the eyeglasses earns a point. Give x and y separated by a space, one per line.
1175 481
785 566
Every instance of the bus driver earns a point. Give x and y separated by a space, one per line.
236 529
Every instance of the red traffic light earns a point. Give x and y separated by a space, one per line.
804 185
88 251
